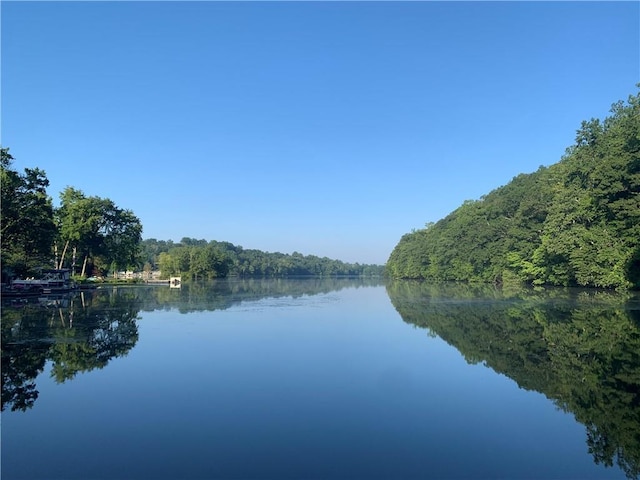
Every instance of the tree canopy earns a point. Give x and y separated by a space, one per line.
200 259
26 217
102 233
576 222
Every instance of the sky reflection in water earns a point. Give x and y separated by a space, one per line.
331 385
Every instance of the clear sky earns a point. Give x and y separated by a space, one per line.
327 128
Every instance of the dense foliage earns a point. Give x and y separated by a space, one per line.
102 235
580 348
199 259
99 231
576 222
26 217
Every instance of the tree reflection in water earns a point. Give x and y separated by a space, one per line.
579 348
76 333
83 332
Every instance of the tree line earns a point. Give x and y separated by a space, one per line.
202 259
86 233
576 222
93 236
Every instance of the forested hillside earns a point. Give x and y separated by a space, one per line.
199 259
576 222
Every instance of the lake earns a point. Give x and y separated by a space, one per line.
322 379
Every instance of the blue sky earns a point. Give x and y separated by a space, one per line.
327 128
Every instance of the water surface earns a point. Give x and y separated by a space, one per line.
321 379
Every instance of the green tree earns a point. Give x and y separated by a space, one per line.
26 218
207 262
576 222
102 233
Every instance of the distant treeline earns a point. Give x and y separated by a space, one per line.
576 222
92 236
200 259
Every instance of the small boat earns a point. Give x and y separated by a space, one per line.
53 281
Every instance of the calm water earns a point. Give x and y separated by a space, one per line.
322 379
